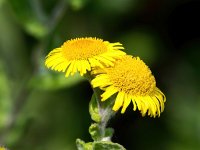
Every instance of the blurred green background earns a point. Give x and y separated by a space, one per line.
42 110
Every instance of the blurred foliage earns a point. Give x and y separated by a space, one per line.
30 16
42 110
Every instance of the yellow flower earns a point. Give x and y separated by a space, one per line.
132 81
81 54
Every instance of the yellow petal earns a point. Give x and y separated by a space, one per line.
109 92
127 100
119 101
69 69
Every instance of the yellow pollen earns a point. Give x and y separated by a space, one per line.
132 76
83 48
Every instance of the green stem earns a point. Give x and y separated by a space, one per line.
105 111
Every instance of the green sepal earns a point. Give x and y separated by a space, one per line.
104 145
81 145
94 110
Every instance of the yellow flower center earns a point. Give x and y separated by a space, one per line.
83 48
132 76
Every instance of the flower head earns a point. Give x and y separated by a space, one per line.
131 80
81 54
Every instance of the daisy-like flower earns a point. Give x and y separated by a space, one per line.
131 80
81 54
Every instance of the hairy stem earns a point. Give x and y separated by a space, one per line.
106 112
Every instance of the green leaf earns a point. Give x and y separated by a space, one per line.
95 132
100 145
94 110
81 145
107 146
109 132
